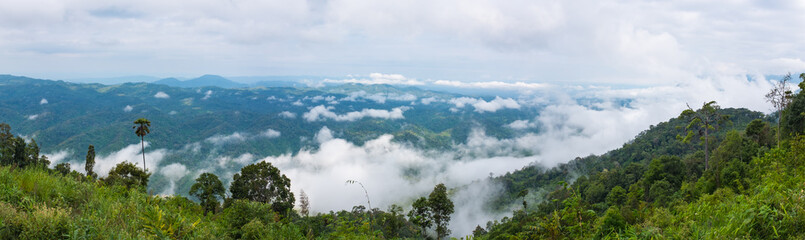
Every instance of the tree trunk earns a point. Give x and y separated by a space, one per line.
142 143
706 150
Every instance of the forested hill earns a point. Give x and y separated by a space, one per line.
747 186
654 142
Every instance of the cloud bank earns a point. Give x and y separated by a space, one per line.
481 105
322 113
379 78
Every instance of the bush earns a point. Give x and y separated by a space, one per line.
44 223
241 212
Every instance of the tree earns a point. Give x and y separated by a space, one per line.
420 214
90 163
304 204
208 188
760 132
779 97
129 175
262 182
522 194
63 168
617 196
703 121
802 84
141 131
441 207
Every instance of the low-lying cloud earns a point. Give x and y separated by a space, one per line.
322 113
379 97
481 105
379 78
287 114
237 137
161 95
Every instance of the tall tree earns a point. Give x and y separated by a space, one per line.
262 182
420 214
142 128
703 121
441 207
304 204
208 188
90 163
779 97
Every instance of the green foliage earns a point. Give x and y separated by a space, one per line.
63 168
256 229
440 208
793 121
706 119
128 175
90 162
158 224
420 214
611 222
616 197
208 188
760 132
262 182
241 212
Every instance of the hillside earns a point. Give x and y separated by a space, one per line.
652 187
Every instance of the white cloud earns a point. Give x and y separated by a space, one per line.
161 95
287 114
298 103
323 135
240 161
508 42
429 100
130 153
225 139
173 172
521 124
492 85
321 113
270 133
380 78
58 156
382 166
207 95
43 101
33 117
128 108
481 105
238 137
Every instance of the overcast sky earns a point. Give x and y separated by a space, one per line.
597 41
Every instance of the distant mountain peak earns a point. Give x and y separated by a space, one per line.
207 80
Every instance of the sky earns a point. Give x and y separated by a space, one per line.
646 43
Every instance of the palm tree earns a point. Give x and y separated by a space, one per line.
141 131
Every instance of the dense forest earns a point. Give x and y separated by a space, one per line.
710 173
